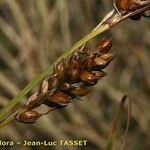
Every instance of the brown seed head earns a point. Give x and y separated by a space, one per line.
70 80
104 45
73 70
88 77
73 75
80 91
53 81
88 62
60 70
108 56
29 116
100 61
60 98
75 61
66 87
122 5
100 74
129 5
34 101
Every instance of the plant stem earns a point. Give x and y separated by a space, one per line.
10 118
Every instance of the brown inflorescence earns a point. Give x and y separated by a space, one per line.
125 6
70 79
29 116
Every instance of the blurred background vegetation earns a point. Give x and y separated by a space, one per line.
33 33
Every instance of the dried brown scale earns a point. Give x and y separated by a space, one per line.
73 69
104 45
88 63
29 116
108 56
43 88
129 5
125 6
53 81
88 78
100 62
73 76
70 80
57 99
35 101
80 91
66 87
100 74
60 70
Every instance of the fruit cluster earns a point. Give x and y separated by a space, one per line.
70 79
125 6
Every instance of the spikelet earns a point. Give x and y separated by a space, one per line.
29 116
70 79
125 6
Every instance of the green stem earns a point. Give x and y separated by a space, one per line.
109 145
49 69
10 118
